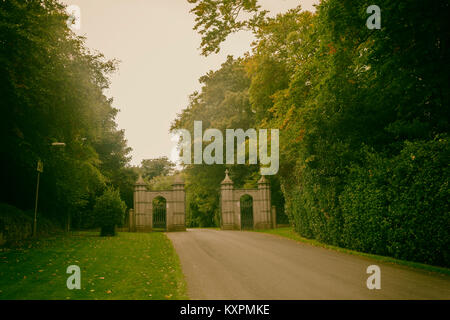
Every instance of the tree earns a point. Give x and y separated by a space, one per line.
355 107
216 19
156 167
222 104
52 89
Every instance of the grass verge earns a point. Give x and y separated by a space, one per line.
290 234
136 266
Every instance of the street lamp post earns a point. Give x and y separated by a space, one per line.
40 169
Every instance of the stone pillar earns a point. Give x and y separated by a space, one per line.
140 206
131 221
178 218
274 217
264 216
227 204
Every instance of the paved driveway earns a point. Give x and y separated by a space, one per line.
249 265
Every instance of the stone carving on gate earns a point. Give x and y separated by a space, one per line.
141 218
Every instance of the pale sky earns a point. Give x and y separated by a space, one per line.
160 61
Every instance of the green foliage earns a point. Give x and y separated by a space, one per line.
16 225
399 206
203 195
161 183
222 104
352 105
156 167
52 90
109 211
216 19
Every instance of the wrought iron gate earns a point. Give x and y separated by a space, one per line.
159 215
246 205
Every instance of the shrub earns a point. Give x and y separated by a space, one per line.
17 225
109 211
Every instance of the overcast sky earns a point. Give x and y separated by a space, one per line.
160 61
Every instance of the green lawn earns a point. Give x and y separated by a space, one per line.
290 234
128 266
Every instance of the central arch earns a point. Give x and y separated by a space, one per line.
159 208
246 209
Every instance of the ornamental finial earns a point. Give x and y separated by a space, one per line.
227 179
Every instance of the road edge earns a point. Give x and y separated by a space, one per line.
288 233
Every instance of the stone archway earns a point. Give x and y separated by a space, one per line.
230 205
159 216
142 219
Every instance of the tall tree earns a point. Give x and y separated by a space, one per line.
222 104
52 90
156 167
359 110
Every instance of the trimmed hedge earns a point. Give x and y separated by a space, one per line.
399 207
392 206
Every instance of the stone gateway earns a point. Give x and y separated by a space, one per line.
164 210
243 209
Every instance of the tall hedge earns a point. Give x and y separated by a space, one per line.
399 206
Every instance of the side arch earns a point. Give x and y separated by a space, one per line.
247 221
145 214
159 213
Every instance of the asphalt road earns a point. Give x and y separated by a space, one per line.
235 265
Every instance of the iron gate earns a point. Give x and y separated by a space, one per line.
159 215
246 205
